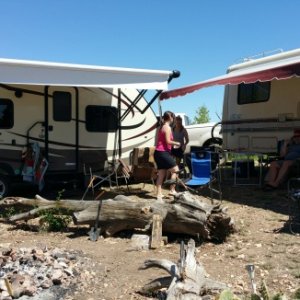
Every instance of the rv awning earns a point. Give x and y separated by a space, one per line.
60 74
283 69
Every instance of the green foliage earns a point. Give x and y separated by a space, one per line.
60 193
255 297
202 115
263 294
227 295
279 296
264 291
55 219
7 212
297 294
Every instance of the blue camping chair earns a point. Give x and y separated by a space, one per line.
205 171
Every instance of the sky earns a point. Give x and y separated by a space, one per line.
200 38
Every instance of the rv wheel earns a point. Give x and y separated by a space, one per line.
4 187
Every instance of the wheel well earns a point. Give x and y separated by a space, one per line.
6 169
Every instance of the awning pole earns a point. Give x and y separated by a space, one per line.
159 109
120 123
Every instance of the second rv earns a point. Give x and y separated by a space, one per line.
257 115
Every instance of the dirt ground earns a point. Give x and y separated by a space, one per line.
111 271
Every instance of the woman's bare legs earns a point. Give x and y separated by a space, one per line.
174 175
272 172
283 172
159 181
277 174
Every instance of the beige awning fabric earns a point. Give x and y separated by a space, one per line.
14 71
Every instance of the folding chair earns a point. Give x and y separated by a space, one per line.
205 171
123 171
98 178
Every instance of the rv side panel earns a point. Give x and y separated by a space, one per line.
257 126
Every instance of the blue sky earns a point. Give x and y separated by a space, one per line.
200 38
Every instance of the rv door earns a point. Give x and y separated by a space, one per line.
61 128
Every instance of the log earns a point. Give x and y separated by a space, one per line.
42 204
188 279
187 214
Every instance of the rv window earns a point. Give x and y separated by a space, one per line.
101 118
253 92
62 106
6 113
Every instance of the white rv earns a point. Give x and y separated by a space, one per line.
79 115
257 115
261 101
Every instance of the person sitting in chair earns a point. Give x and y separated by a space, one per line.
290 151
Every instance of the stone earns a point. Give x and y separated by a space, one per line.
38 273
30 290
140 242
57 277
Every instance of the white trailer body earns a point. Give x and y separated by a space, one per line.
79 115
73 126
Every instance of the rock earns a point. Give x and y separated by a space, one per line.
30 290
7 252
34 272
63 265
57 277
4 246
46 284
69 271
140 242
5 296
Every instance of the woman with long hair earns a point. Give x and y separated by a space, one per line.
162 155
180 135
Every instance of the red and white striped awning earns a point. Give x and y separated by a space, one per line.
264 69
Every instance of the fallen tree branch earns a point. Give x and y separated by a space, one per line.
188 279
187 214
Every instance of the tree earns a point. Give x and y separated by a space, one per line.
202 115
